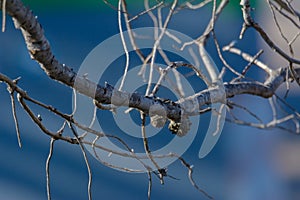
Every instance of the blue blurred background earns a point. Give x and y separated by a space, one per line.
246 163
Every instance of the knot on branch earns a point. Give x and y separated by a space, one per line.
158 115
180 128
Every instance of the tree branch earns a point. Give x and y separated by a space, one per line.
39 49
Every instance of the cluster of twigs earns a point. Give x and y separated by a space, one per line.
39 49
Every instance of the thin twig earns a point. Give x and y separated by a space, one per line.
249 22
149 185
130 33
232 104
163 73
285 15
125 169
247 57
37 121
222 58
85 159
146 11
197 6
14 112
280 29
52 140
156 45
123 44
190 175
247 67
146 146
286 6
3 15
251 62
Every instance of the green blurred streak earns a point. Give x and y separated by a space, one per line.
90 5
73 5
68 5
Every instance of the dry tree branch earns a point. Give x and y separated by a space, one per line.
247 67
3 15
146 147
85 159
152 55
14 112
205 35
149 185
190 175
279 10
39 48
123 44
247 57
280 29
251 62
130 33
231 104
48 166
286 6
222 58
21 94
197 6
249 22
146 11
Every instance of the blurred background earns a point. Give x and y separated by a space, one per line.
247 163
